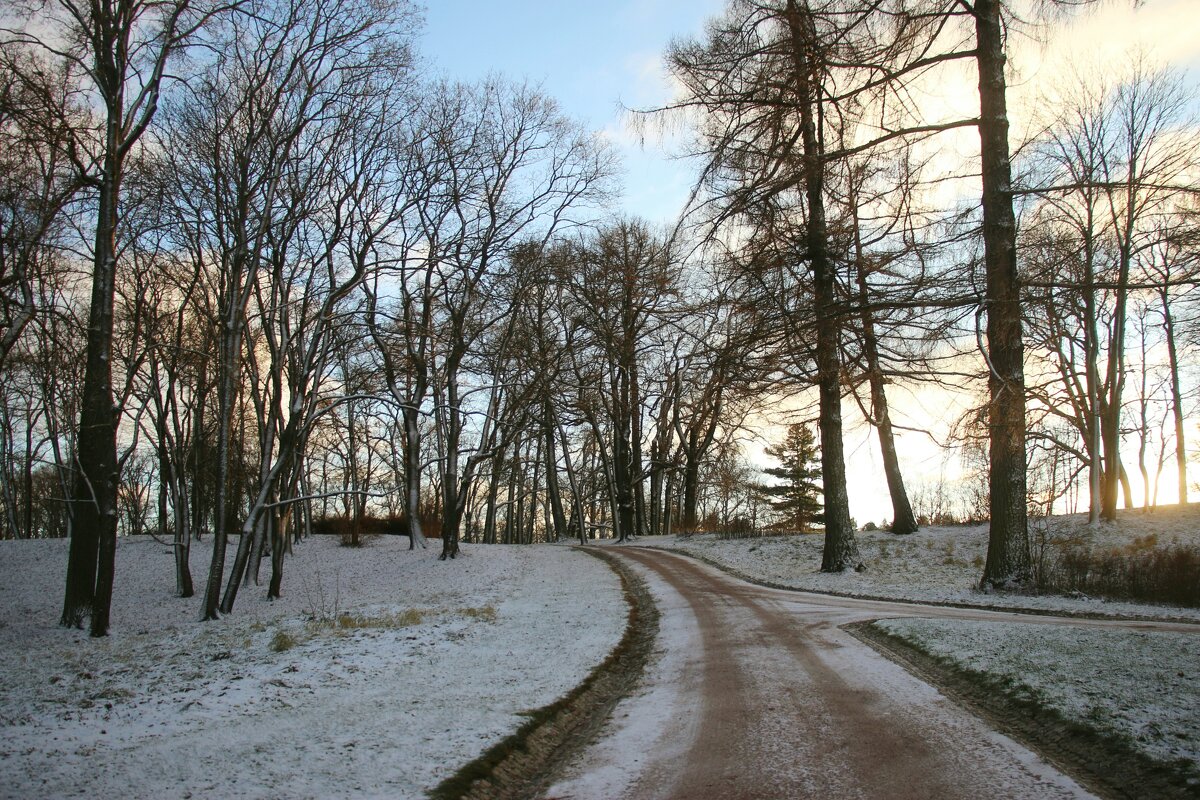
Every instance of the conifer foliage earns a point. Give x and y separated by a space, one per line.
797 498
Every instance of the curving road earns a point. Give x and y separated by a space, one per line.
757 693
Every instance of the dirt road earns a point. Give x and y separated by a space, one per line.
757 693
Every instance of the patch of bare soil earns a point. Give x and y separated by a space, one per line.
525 764
1105 764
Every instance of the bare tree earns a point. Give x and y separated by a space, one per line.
280 151
120 51
1113 167
37 180
765 139
620 282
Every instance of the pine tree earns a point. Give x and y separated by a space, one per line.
798 497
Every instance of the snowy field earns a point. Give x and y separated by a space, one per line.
380 672
940 565
1140 687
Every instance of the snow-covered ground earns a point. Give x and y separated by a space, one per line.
1138 686
379 673
382 671
940 564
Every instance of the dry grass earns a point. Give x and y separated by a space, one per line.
283 641
1141 571
344 623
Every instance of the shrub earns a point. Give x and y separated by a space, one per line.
1140 571
759 533
283 641
372 526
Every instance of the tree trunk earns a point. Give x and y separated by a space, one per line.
903 519
278 548
637 484
552 492
514 497
841 549
183 548
450 516
576 500
450 499
691 488
1176 398
27 480
623 484
412 477
535 490
1126 487
91 560
489 519
1008 556
228 368
1091 348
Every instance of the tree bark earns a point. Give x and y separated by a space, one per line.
549 429
841 548
1008 556
1176 398
412 477
91 561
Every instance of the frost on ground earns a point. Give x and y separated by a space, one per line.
380 672
1133 684
1138 686
941 564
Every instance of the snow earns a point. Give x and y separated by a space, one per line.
1138 686
379 673
1135 684
662 715
940 564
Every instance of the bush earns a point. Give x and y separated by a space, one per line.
1140 571
282 642
369 527
757 533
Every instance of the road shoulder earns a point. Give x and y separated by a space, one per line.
526 763
1103 763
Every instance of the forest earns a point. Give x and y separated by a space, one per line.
264 274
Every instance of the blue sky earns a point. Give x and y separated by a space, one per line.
591 57
594 56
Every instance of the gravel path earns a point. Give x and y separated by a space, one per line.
758 693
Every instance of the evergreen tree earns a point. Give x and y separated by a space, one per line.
798 497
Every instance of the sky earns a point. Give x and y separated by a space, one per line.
597 57
594 58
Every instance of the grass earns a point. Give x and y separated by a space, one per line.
346 622
283 641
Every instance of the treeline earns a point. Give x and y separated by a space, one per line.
259 270
302 279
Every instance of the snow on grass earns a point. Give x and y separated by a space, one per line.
941 564
379 673
1138 686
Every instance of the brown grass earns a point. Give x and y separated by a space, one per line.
1140 571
